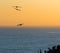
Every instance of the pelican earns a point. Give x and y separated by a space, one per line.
19 24
18 8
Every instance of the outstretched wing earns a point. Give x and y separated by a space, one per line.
16 6
18 9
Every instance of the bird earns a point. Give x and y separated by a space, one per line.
18 8
20 24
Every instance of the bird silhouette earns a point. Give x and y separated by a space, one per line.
18 8
20 24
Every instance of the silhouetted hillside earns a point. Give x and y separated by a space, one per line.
55 49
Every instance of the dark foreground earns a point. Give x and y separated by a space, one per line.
54 49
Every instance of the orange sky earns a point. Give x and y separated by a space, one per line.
35 13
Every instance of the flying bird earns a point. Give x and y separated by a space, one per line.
20 24
18 8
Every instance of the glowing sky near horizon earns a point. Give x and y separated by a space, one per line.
35 13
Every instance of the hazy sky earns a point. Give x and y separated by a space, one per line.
35 13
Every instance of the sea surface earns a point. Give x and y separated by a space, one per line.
28 40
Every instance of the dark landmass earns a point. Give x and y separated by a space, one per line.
54 49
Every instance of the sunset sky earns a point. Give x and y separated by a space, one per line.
35 13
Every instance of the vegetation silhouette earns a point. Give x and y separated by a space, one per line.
55 49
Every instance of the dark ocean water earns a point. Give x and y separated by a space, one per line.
28 40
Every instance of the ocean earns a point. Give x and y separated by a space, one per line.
28 40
